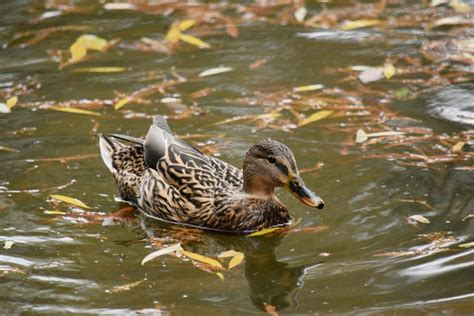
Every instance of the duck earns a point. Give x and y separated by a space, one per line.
168 179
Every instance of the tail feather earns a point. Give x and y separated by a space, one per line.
161 122
107 148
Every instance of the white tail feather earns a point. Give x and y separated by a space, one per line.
106 153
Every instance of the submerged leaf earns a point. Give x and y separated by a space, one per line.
126 287
201 258
69 200
316 117
215 71
220 275
73 110
263 232
193 40
11 102
161 252
236 260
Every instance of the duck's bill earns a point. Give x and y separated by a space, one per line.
305 195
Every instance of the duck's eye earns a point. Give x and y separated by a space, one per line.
272 159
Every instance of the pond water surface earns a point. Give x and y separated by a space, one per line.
361 254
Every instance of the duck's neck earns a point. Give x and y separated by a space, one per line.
258 186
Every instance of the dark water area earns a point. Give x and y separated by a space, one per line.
363 254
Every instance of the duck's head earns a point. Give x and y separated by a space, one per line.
269 164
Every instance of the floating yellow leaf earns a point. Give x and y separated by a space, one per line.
388 71
173 33
120 103
161 252
220 275
8 244
186 24
100 69
74 110
69 200
93 42
467 245
201 258
215 71
78 52
308 88
236 260
357 24
54 212
316 117
11 102
263 231
193 40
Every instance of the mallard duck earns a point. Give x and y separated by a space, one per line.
168 179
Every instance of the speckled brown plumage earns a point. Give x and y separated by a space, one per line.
170 180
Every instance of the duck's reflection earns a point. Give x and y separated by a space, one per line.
271 282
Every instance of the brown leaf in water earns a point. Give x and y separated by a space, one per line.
457 148
318 166
316 229
258 63
126 287
201 93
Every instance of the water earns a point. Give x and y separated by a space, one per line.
362 258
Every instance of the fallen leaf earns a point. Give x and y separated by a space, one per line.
69 200
457 148
8 244
319 115
126 287
460 6
11 102
300 14
73 110
263 232
371 74
236 260
257 64
78 52
4 108
193 40
389 71
357 24
308 88
419 219
362 136
215 71
173 33
220 275
54 212
467 245
9 149
120 103
162 252
186 24
92 42
119 6
454 20
100 69
201 258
